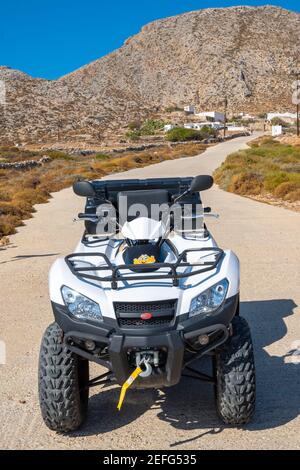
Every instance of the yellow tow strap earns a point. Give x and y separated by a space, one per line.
127 384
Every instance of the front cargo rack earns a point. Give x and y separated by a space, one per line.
116 270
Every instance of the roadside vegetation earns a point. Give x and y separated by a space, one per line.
21 190
180 134
268 169
149 127
173 109
276 121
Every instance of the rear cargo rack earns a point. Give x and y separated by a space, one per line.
116 270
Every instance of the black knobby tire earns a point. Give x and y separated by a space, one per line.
63 379
235 376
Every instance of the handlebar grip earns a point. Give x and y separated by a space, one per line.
83 215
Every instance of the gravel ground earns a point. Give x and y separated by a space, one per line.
267 241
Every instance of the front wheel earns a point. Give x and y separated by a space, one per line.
235 376
63 383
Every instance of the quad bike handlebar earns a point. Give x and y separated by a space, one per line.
85 216
96 218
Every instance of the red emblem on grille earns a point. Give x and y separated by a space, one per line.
146 316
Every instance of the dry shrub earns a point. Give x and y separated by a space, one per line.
32 196
4 241
84 175
266 167
58 174
56 154
7 208
274 179
8 224
52 186
4 195
263 140
291 167
98 167
293 196
102 156
31 182
116 165
245 183
285 188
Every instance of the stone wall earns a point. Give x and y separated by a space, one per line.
24 165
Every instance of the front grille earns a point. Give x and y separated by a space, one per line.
128 314
139 322
140 307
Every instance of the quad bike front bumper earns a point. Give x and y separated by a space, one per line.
173 342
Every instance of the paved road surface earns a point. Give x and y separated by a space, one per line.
267 241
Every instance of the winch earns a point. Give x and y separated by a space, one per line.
139 371
147 358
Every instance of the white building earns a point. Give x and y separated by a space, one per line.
216 125
248 117
214 115
189 109
288 117
169 127
189 125
234 128
199 125
276 130
194 125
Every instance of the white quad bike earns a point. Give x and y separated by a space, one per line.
147 297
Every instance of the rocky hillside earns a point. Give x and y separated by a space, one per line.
198 57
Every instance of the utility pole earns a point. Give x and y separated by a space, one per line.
296 73
225 116
59 127
297 88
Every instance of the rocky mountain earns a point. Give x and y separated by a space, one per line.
246 53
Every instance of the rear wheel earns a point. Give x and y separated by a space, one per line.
63 380
235 376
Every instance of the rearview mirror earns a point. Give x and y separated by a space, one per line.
84 188
201 183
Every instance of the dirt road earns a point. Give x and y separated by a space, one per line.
267 241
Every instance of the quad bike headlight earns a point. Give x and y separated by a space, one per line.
80 306
209 300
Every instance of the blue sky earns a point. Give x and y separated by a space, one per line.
49 38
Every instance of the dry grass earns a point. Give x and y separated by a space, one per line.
289 139
268 168
20 191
